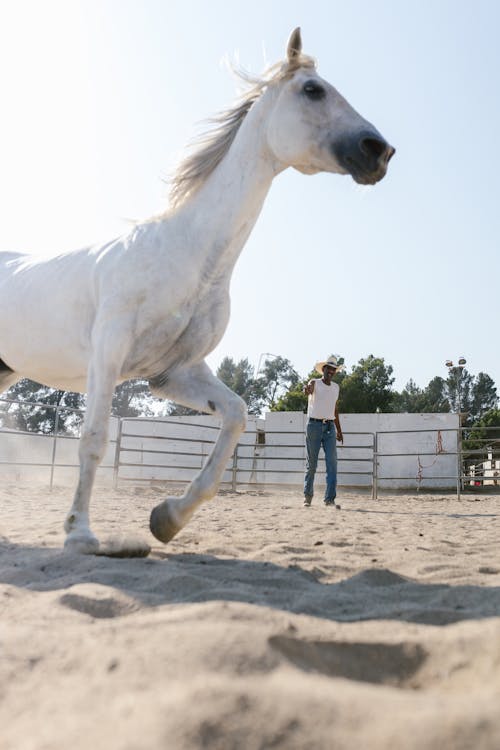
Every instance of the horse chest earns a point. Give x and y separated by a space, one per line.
182 334
206 323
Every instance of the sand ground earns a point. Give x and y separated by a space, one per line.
262 625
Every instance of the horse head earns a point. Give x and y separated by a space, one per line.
314 129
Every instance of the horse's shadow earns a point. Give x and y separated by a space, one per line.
373 594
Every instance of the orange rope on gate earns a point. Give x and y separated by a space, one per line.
421 467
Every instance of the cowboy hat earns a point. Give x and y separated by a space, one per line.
332 361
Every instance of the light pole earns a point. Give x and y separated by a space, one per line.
264 354
457 371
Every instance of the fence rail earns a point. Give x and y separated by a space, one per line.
466 475
55 438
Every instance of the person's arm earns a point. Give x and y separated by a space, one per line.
338 428
309 388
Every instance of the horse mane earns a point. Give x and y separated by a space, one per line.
208 149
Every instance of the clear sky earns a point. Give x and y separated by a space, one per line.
99 98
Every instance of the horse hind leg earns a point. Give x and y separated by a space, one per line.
199 389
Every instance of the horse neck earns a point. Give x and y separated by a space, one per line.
222 213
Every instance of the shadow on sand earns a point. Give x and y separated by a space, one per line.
374 593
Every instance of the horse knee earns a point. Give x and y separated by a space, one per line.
93 445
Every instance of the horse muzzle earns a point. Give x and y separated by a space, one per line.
364 156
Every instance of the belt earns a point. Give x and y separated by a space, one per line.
324 421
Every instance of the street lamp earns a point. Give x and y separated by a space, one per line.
264 354
457 370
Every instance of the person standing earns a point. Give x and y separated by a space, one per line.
323 429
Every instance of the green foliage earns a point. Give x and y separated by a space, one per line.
133 399
293 400
483 437
42 416
436 396
239 377
459 386
367 388
484 397
176 410
413 399
490 420
277 377
469 395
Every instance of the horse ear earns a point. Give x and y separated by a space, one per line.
294 45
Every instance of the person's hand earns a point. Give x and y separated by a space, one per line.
308 388
340 437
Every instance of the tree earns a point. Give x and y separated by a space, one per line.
294 399
413 399
133 398
483 436
239 376
460 392
436 396
484 397
469 395
459 385
178 410
278 376
42 416
367 388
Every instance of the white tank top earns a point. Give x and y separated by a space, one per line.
321 402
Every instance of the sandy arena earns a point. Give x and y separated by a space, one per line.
262 625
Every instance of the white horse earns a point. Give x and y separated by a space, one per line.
154 303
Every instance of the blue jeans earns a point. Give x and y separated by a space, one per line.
319 434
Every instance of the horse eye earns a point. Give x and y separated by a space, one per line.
314 90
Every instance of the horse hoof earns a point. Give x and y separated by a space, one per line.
162 524
81 543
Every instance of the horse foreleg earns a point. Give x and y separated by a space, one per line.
199 389
92 446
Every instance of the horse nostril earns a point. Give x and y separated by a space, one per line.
373 147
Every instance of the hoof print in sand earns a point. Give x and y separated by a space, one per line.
376 663
98 607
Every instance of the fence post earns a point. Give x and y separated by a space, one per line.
116 465
375 467
54 446
235 469
459 459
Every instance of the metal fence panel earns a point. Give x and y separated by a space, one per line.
175 449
